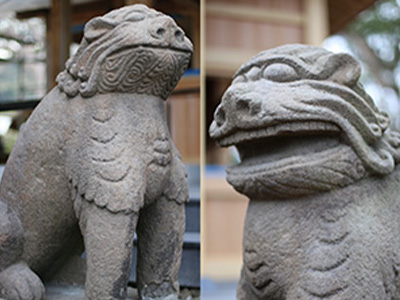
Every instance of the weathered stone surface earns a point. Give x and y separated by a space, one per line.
96 158
320 167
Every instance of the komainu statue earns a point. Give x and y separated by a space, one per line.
320 167
96 158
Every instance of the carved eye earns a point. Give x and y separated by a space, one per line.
135 17
280 73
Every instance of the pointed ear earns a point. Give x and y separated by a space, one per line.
344 69
97 27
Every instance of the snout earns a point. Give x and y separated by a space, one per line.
164 30
246 107
242 107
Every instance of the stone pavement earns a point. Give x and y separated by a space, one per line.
59 292
76 293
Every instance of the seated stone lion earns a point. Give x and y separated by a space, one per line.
320 167
96 158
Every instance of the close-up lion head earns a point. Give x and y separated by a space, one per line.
302 123
134 49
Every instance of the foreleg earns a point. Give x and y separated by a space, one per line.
160 238
108 239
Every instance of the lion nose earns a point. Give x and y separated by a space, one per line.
219 116
248 106
167 31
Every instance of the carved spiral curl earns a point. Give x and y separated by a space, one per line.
143 71
116 55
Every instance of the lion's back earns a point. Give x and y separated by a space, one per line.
34 181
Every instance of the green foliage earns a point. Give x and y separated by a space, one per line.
374 38
380 28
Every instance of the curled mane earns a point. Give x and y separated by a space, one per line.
118 53
97 42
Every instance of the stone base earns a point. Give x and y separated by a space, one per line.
58 292
62 292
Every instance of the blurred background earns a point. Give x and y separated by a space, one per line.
236 30
38 36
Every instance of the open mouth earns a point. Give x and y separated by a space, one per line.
284 145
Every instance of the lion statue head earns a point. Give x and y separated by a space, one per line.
302 124
134 49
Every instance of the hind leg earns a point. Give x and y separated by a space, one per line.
17 280
108 239
160 238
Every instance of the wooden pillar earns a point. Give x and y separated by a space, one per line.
203 131
316 27
196 40
58 38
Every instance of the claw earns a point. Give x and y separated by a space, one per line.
18 282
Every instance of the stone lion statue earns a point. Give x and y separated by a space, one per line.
96 158
320 166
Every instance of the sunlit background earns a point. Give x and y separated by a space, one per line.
22 73
374 38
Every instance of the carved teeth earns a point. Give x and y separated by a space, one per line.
314 126
284 127
278 129
272 130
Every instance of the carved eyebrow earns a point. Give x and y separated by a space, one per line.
302 68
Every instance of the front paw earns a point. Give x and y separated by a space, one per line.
169 297
18 282
163 291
